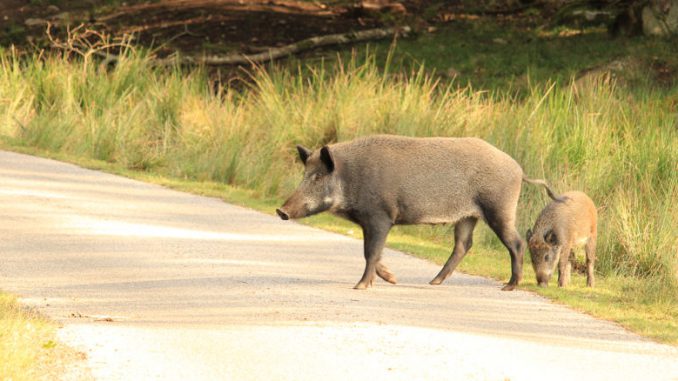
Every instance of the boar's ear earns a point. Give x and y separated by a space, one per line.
551 238
327 159
528 235
303 153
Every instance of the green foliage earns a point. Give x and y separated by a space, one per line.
507 57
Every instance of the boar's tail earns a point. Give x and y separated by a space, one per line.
545 185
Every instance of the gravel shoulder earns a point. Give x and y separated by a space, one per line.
156 284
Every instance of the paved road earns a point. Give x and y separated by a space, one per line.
157 284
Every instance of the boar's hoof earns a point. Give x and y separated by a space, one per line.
444 273
362 285
386 274
440 278
509 287
282 214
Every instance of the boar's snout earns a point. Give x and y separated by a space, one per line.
295 207
543 284
282 214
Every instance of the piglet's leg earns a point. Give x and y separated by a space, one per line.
590 249
564 266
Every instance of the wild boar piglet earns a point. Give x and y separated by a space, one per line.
567 222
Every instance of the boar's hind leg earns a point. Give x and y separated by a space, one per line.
503 227
374 238
463 240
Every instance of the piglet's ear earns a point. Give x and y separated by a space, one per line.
551 238
303 153
326 158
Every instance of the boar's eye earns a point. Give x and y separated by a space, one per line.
546 258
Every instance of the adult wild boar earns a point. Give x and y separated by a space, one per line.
381 181
570 220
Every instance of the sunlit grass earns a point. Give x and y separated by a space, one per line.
27 342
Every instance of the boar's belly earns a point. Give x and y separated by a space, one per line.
435 216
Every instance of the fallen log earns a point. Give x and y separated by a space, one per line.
297 47
77 42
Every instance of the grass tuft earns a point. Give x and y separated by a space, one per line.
27 342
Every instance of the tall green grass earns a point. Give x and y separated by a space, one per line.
620 147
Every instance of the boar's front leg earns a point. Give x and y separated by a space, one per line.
374 233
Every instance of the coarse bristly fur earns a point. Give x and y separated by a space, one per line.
568 221
381 181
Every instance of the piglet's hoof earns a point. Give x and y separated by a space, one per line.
509 287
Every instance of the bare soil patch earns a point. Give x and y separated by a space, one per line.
189 26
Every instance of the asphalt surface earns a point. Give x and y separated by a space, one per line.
153 283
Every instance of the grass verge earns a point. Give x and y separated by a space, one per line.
625 300
29 349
